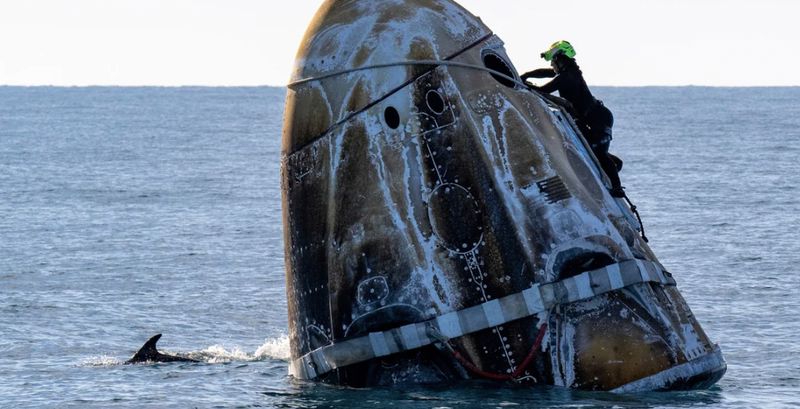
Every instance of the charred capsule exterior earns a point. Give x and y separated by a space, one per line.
422 181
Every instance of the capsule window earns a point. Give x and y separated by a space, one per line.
435 101
572 263
392 117
495 63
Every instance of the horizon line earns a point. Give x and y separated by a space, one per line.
286 86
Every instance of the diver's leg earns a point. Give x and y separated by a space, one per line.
608 165
611 170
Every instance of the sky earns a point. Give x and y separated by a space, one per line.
253 42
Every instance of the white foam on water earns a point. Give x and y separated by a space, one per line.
100 361
217 354
275 348
272 348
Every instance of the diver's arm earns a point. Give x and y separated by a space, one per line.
539 73
550 87
563 103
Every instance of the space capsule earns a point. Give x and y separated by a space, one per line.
442 221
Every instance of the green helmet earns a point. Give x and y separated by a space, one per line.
559 47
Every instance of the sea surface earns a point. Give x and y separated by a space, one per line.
126 212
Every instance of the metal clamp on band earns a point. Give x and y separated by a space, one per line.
531 301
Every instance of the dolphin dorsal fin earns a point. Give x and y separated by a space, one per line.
150 345
147 352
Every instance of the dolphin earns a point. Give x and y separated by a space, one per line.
149 353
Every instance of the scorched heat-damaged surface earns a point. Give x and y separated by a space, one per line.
416 190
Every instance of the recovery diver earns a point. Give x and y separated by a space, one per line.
595 118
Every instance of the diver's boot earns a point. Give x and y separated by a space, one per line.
617 191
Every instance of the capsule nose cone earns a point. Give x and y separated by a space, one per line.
627 344
611 351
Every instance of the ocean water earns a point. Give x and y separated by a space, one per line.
126 212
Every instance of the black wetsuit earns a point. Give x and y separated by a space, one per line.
597 119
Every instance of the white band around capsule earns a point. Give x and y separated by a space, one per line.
531 301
